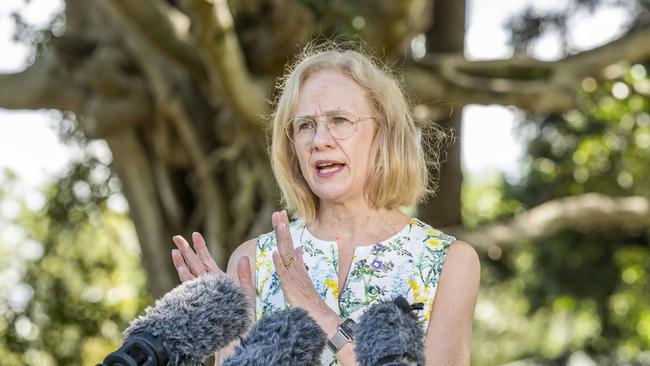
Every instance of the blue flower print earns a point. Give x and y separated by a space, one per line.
378 248
376 264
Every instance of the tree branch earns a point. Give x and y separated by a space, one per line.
428 86
115 98
226 66
400 22
156 22
587 212
45 84
207 187
104 115
535 86
633 46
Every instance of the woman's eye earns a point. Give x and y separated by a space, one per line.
305 124
341 120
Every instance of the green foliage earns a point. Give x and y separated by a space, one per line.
580 290
605 147
71 269
484 201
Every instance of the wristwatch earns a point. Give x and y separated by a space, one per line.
344 334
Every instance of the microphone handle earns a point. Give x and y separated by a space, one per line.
140 349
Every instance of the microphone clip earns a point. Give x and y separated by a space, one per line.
404 305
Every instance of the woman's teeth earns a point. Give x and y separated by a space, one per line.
329 169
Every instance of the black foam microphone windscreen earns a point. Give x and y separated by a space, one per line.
288 337
195 319
389 334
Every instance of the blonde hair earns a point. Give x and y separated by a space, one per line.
400 174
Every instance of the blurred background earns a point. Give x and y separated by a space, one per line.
125 122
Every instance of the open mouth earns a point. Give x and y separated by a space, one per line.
329 168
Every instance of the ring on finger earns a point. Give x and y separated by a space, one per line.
289 263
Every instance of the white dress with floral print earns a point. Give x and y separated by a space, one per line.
407 264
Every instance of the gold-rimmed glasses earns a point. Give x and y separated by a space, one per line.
340 124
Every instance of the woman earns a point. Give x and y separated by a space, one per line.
346 154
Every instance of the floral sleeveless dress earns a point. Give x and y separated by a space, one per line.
407 264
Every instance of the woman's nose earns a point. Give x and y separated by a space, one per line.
322 136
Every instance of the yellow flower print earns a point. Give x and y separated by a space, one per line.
432 232
414 285
427 311
417 296
412 222
427 291
262 283
260 259
334 286
434 243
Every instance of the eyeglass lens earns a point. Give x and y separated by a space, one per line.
340 126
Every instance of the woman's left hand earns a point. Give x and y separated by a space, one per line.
296 284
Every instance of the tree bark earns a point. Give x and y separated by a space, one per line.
447 35
587 212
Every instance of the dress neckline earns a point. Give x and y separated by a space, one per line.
399 233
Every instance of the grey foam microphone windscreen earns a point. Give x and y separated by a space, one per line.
288 337
389 334
196 319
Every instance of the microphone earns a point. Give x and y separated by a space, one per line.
288 337
389 334
186 325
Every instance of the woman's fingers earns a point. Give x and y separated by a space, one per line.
282 235
183 272
280 268
203 253
300 260
245 276
191 258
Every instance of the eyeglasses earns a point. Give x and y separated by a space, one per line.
340 124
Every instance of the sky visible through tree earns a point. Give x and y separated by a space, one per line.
29 145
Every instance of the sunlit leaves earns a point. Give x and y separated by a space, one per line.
70 269
579 292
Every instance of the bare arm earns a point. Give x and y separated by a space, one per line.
236 269
450 326
243 274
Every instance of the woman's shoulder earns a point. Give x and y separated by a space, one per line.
459 248
458 252
463 254
459 257
245 249
427 233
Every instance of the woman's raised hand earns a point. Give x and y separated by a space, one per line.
289 263
192 262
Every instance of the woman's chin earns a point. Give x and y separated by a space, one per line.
332 195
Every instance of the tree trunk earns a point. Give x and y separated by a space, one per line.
447 35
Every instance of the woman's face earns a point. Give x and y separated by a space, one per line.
335 169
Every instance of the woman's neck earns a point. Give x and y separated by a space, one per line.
358 223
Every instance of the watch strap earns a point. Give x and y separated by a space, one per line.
340 338
337 342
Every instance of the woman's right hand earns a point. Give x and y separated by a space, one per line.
192 262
